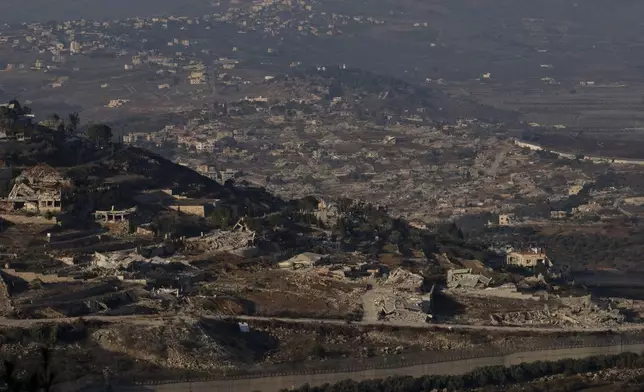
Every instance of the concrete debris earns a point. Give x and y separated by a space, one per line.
465 278
390 140
400 308
223 241
121 260
578 311
404 280
162 291
303 260
507 291
386 303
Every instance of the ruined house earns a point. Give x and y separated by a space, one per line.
465 278
506 219
528 258
38 189
196 207
114 216
405 280
558 214
240 241
116 221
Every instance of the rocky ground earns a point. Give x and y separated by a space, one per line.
190 346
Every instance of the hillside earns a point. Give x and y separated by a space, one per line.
131 168
373 95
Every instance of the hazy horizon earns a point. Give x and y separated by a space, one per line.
48 10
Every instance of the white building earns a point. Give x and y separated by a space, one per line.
75 47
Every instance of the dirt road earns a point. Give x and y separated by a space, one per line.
160 320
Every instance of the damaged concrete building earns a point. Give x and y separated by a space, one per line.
402 279
506 219
117 221
38 189
465 278
529 258
113 216
239 241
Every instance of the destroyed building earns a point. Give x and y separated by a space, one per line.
114 215
240 241
465 278
303 260
402 279
558 214
200 207
116 220
528 258
38 189
506 219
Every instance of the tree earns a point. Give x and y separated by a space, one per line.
335 90
74 121
15 105
101 134
54 118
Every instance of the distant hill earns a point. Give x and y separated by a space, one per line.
378 94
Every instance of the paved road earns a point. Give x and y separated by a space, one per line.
274 384
160 320
594 159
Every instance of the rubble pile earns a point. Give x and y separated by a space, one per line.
386 304
220 240
397 308
121 260
576 311
465 278
404 280
178 344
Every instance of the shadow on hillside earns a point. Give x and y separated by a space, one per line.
445 307
248 346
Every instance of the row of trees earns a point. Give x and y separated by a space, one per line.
486 376
100 134
11 113
55 121
364 223
13 110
